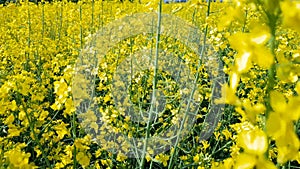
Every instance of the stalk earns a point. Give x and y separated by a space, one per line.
93 10
31 126
27 53
74 138
43 21
81 34
170 166
60 20
245 21
272 70
142 164
74 116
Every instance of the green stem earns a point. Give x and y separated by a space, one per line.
245 21
81 34
43 20
193 91
272 70
31 126
27 53
74 138
60 20
142 164
93 11
74 115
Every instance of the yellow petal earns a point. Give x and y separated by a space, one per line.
238 41
243 62
297 88
286 72
250 113
263 57
234 80
260 39
275 125
278 101
253 141
260 34
245 161
291 14
263 163
288 146
228 96
293 108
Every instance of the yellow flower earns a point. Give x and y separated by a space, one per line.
227 134
234 80
69 151
81 143
205 144
148 157
287 72
228 96
13 131
38 152
288 146
184 157
196 158
291 14
285 112
247 161
83 159
22 115
61 89
297 88
280 125
276 126
251 48
121 157
17 158
61 130
226 164
252 110
13 105
10 119
106 162
59 165
69 107
255 144
254 141
231 14
163 159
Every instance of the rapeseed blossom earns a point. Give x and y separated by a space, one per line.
40 126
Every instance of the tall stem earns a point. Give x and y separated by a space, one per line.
271 71
154 85
193 90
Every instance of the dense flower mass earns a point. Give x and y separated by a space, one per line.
43 124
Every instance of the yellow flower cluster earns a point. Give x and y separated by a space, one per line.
257 42
274 114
